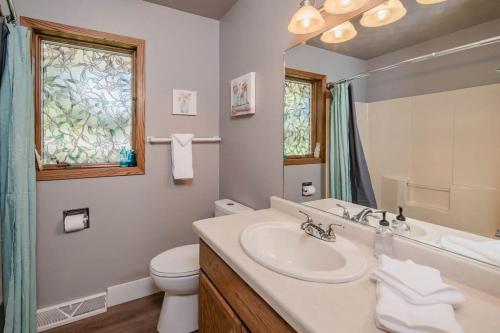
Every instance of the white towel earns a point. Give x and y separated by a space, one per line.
415 283
394 314
182 156
488 251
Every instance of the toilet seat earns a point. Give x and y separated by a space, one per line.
178 262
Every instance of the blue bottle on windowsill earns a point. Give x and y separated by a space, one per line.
123 157
132 158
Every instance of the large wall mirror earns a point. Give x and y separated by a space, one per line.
402 116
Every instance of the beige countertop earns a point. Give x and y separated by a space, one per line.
317 307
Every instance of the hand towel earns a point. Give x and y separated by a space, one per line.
415 283
394 314
488 251
182 156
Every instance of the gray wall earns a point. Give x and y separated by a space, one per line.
467 69
335 66
295 175
133 218
253 38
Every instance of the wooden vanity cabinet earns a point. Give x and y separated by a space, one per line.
216 316
228 305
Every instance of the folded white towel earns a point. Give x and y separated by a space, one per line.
182 156
394 314
415 283
488 251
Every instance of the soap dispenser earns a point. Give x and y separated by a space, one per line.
384 238
399 225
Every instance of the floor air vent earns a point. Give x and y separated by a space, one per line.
69 312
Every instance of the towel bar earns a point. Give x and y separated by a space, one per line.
428 187
152 139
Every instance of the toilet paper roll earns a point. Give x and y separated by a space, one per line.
308 190
74 223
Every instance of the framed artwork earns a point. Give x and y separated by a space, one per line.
243 95
184 102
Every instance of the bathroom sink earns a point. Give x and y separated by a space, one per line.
284 248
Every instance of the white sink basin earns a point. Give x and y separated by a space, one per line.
284 248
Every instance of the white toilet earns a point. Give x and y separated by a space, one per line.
176 273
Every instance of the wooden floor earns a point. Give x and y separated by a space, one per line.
139 316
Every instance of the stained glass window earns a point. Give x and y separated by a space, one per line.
297 118
86 102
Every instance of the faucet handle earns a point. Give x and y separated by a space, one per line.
331 225
330 232
309 220
373 214
345 213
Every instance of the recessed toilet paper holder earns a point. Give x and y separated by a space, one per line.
86 219
306 189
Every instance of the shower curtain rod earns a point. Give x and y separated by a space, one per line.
12 18
426 57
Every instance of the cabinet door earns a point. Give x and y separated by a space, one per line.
216 316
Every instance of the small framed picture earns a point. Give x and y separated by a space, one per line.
243 95
184 102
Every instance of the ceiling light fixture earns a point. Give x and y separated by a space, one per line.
339 34
429 2
384 14
343 6
306 20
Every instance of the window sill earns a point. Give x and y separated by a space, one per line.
302 161
60 174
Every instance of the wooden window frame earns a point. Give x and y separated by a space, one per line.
44 30
318 117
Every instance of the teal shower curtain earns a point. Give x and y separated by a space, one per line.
340 181
17 185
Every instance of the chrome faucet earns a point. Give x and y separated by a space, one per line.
361 217
317 231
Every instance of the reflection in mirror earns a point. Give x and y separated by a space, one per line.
405 118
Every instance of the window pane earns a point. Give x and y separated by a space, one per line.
298 103
86 103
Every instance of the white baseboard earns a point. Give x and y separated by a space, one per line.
130 291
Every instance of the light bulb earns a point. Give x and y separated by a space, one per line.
388 12
382 14
345 3
343 6
340 33
306 20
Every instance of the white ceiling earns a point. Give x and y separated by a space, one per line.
209 8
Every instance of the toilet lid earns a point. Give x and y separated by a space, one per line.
177 262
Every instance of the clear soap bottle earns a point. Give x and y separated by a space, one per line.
399 225
384 238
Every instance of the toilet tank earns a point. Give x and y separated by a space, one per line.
228 207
